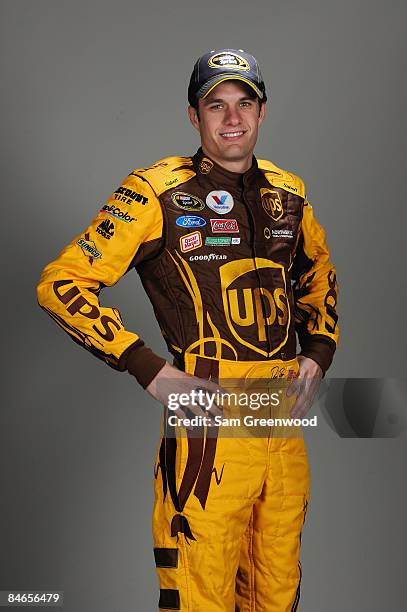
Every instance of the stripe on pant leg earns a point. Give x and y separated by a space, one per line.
169 599
166 557
294 607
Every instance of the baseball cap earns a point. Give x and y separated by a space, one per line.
224 64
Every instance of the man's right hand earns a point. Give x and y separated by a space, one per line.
172 380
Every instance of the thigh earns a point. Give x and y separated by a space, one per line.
197 539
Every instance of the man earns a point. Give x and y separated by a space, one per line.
234 263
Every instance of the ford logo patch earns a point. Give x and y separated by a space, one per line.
190 221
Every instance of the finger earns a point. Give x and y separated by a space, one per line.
197 409
294 388
303 404
182 417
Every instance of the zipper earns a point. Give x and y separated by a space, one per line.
253 228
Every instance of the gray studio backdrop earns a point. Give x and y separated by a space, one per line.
91 90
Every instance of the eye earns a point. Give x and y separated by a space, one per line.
216 106
246 103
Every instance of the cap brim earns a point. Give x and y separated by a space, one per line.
220 78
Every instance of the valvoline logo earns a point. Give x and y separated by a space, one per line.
190 221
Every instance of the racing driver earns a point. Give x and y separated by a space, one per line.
236 267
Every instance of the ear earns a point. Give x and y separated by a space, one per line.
262 113
193 117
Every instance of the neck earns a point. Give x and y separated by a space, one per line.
240 166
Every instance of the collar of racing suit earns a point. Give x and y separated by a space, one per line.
216 174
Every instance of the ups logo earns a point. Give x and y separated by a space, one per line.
271 202
250 309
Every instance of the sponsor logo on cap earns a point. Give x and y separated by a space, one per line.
228 60
205 165
224 226
272 204
187 201
189 242
89 248
235 240
220 201
190 221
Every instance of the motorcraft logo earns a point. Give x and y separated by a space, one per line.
89 249
187 201
224 226
190 221
271 202
189 242
117 213
251 309
228 60
106 229
220 201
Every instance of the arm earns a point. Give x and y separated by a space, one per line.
127 230
315 293
315 296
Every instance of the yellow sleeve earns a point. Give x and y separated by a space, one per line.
125 231
315 293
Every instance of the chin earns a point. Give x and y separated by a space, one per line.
234 153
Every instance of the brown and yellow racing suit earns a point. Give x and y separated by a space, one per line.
234 265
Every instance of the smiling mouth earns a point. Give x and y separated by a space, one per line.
232 135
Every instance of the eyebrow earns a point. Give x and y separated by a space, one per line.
209 100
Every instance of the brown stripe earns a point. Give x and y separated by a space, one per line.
203 367
162 467
170 452
210 369
169 599
195 450
205 473
294 607
166 557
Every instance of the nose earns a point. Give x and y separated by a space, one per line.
232 116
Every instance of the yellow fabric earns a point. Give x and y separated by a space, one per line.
74 304
245 555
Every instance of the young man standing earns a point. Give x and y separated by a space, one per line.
234 263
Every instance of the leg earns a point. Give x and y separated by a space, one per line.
197 549
269 573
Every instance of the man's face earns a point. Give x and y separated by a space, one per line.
228 122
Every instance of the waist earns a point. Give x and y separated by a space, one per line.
216 369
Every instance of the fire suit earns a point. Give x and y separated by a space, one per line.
235 265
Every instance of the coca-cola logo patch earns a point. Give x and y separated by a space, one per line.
224 226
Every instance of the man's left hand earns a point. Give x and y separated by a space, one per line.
305 386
